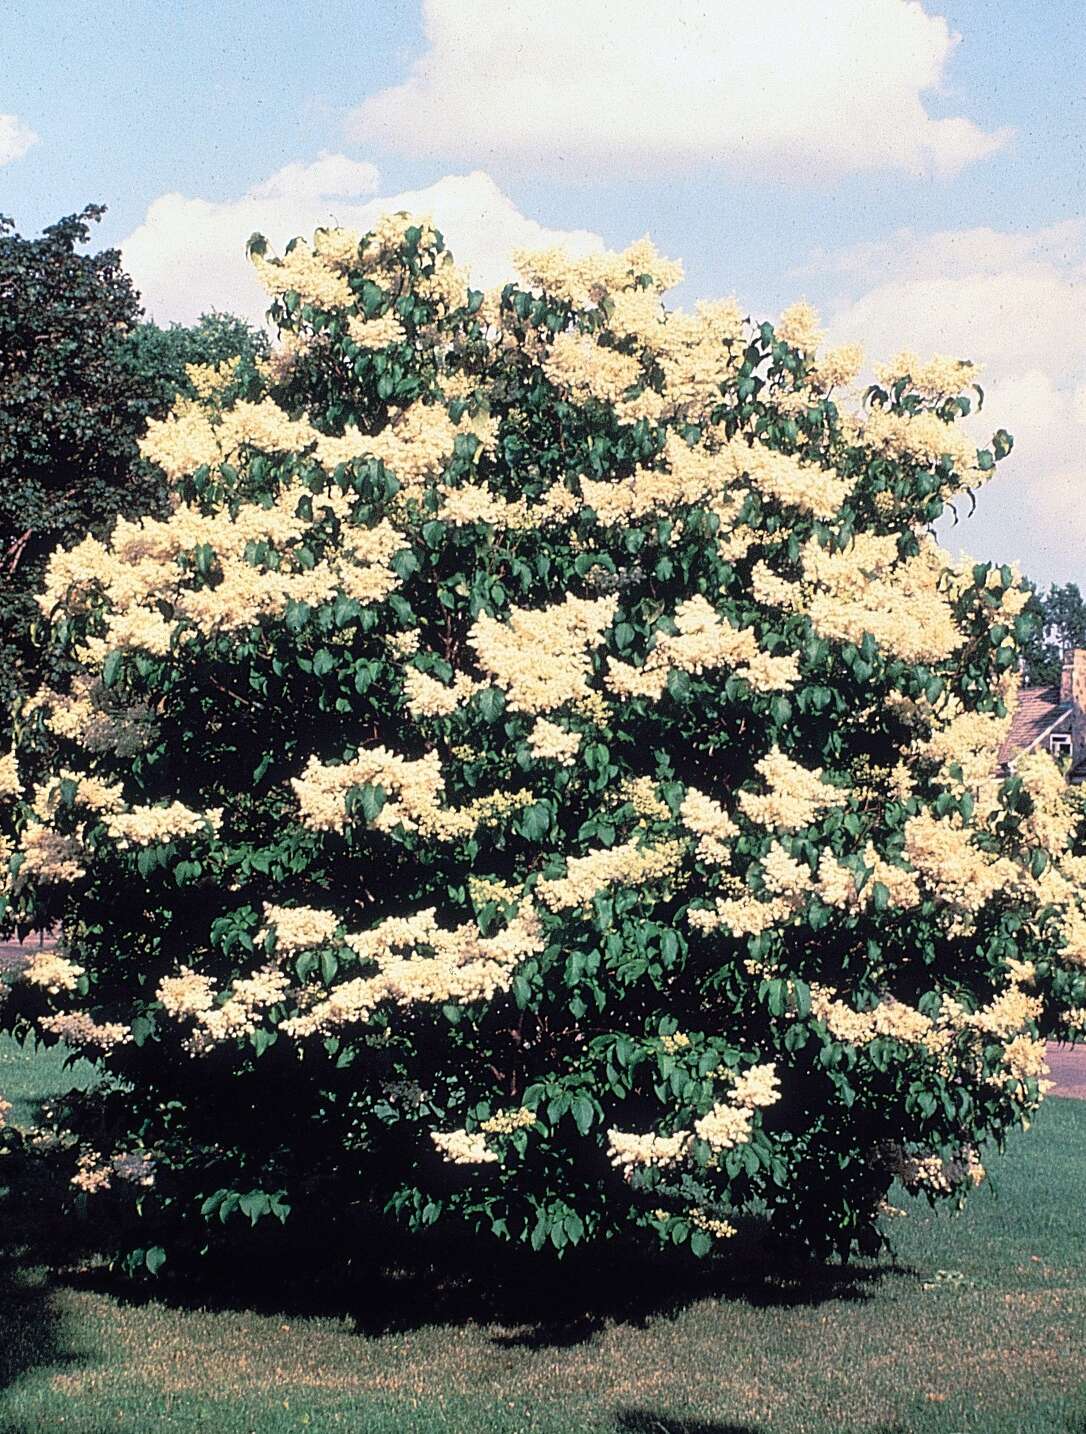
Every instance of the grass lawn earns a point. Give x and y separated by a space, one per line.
980 1326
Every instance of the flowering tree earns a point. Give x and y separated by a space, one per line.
542 775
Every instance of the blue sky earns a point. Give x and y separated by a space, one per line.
923 192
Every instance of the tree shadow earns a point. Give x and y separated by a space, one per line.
533 1301
647 1421
32 1333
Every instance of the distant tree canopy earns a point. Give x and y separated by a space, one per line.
161 355
79 377
1060 615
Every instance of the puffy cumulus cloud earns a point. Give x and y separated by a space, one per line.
792 88
15 138
1015 303
188 255
329 176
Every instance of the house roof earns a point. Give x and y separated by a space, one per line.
1038 710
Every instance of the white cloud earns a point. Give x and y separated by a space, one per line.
188 255
15 138
329 176
789 89
1015 303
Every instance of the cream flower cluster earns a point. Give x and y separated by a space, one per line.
414 791
584 368
508 1121
299 928
837 368
53 858
186 994
933 1172
549 742
702 643
865 589
789 480
143 826
209 379
420 962
307 273
922 438
699 354
724 1126
542 658
798 326
758 1086
628 1151
711 823
89 716
837 884
693 475
585 282
76 1028
952 867
461 1147
628 864
379 333
91 1174
719 1229
672 1044
476 503
890 1018
742 915
796 796
10 783
90 791
52 972
241 1012
147 564
783 874
189 996
938 377
426 697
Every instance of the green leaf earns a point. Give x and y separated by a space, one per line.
491 703
678 684
583 1112
534 821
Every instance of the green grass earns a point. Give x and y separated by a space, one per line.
980 1327
31 1073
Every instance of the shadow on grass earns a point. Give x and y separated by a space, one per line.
645 1421
31 1333
536 1301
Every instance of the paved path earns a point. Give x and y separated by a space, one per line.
1068 1070
15 954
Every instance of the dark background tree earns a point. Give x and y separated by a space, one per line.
1059 621
79 377
160 355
